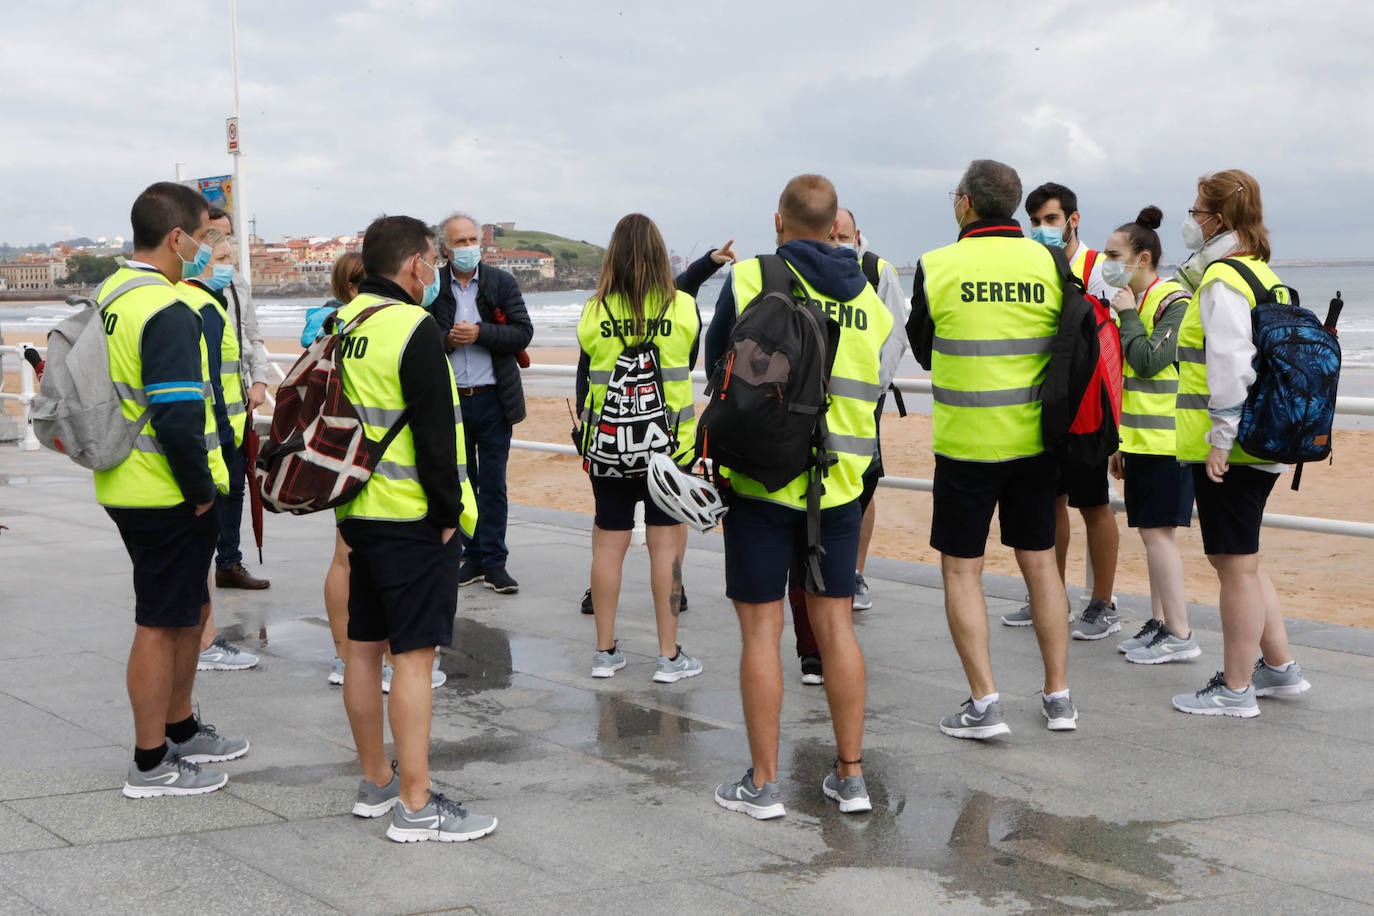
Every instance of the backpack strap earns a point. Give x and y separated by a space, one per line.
1168 301
777 276
870 269
130 284
1256 288
897 398
1089 262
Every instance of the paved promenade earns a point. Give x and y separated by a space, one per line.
603 787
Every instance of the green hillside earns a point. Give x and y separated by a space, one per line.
568 252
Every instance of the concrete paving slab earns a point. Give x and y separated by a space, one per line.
98 817
667 896
18 833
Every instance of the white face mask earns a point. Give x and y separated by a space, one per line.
1115 274
1193 238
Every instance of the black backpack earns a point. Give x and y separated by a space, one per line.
767 397
633 424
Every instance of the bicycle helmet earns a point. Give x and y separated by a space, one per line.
684 496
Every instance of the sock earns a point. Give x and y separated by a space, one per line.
610 650
981 706
147 758
1283 667
676 655
182 731
1057 695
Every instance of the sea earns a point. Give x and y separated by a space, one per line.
556 314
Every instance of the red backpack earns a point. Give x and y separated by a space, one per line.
318 455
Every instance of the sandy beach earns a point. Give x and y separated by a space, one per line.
1319 577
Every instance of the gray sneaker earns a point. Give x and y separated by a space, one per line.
759 802
1216 699
1271 682
221 656
1142 636
1060 713
336 672
1021 617
849 791
1165 647
863 600
175 775
670 670
440 819
209 746
437 678
374 800
606 664
971 724
1099 620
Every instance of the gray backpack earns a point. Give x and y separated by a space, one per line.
77 411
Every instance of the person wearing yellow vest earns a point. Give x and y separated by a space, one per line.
162 497
636 302
1054 219
1216 349
205 294
984 314
1159 490
765 531
402 527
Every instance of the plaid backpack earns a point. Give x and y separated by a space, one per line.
317 455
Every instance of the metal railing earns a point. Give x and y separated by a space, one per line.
1345 406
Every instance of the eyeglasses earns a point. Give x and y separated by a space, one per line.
954 196
1194 213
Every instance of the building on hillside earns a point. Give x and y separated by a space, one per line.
34 273
513 259
507 227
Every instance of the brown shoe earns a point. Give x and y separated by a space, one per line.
237 577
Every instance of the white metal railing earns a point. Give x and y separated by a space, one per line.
1347 406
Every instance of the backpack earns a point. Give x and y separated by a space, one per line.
767 397
634 413
1080 415
317 455
1290 407
77 409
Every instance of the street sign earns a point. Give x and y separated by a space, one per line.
231 132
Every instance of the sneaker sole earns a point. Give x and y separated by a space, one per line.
222 666
335 680
813 680
158 791
1061 724
1183 656
977 732
757 812
661 677
421 834
1287 690
1114 628
1007 622
1236 712
867 605
361 810
472 579
215 758
848 805
502 589
607 672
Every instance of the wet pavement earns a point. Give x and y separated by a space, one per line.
603 787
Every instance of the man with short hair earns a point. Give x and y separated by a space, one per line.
243 317
401 526
984 314
487 326
766 531
1054 217
162 496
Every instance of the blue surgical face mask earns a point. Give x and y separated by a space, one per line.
432 291
1049 235
1115 274
846 245
466 258
196 266
222 276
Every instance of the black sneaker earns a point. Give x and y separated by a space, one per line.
587 602
812 673
500 581
469 572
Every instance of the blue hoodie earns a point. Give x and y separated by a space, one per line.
832 272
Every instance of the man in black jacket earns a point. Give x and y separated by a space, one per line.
487 326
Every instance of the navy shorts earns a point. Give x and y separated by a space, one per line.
615 499
967 492
1084 484
403 583
765 542
1159 492
171 549
1229 513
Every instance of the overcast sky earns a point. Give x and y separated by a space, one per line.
566 115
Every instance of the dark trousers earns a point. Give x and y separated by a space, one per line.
231 508
488 445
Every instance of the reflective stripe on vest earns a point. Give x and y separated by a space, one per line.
1147 404
1191 417
995 302
129 299
854 391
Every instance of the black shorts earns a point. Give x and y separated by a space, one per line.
966 492
403 583
870 481
171 549
1229 513
615 503
765 542
1159 492
1085 484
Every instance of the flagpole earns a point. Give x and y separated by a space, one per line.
240 224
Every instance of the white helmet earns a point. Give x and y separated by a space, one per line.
684 496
